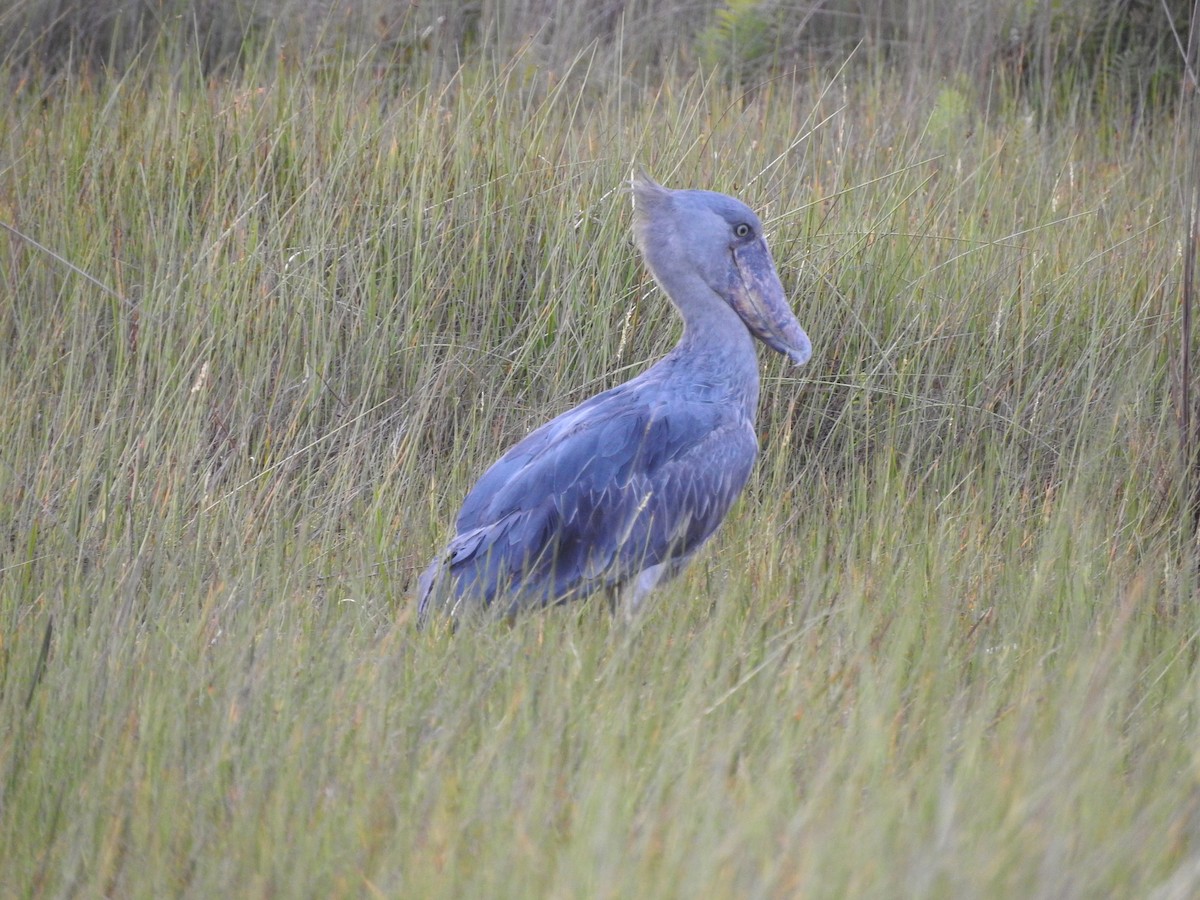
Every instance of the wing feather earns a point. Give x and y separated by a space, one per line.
591 499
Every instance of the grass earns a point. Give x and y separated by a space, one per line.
272 328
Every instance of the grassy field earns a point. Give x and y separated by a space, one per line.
261 333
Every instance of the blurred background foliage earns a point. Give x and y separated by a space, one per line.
1056 55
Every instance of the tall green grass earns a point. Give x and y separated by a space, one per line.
261 335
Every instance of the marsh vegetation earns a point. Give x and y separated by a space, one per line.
267 314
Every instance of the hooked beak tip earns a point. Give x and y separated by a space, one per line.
800 355
793 343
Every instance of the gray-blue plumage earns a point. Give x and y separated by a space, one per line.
620 491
